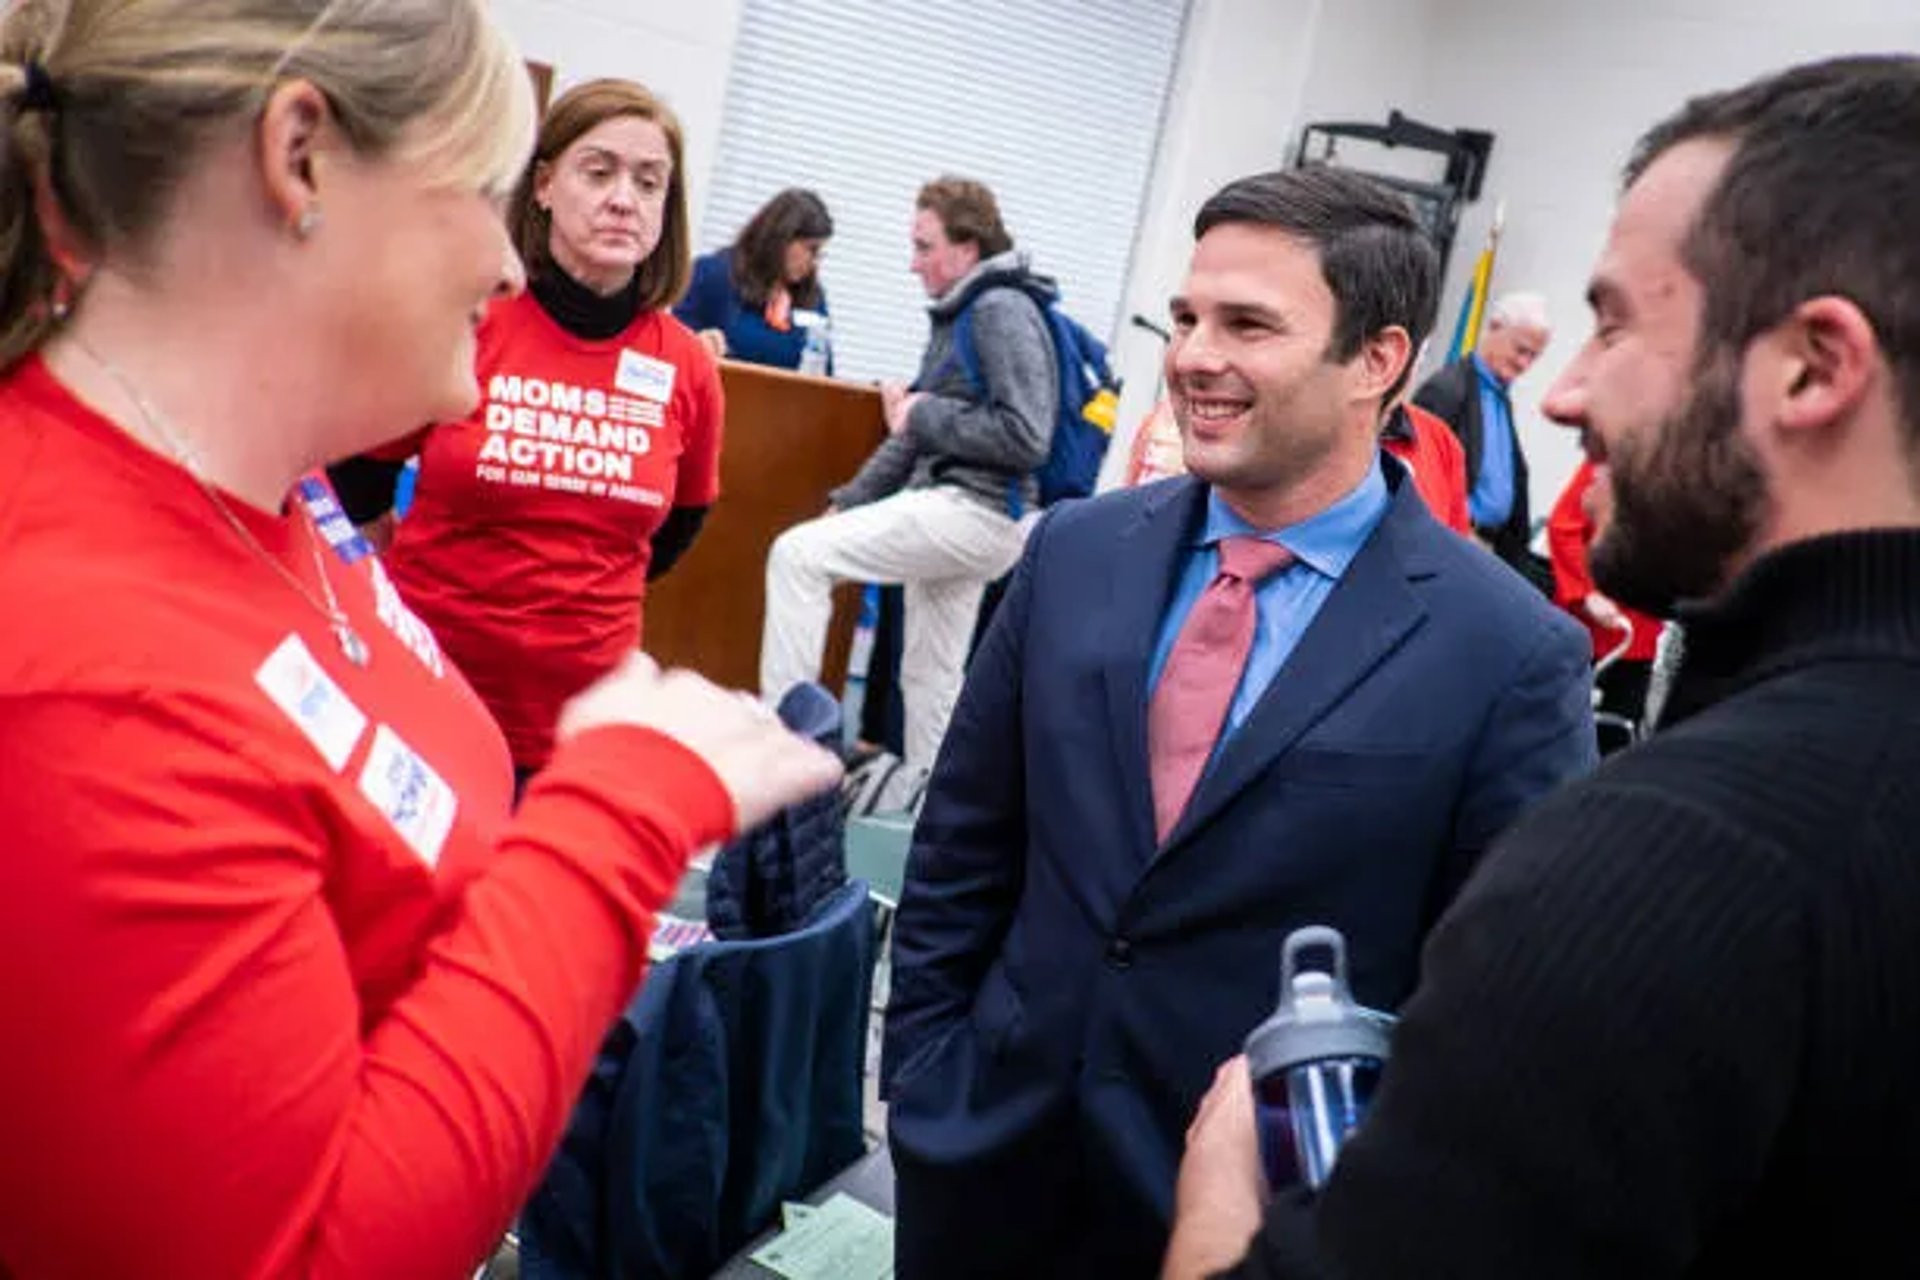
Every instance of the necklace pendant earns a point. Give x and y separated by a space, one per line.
352 645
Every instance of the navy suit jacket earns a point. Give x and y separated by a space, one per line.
1062 984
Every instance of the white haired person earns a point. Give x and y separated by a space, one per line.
1473 397
287 990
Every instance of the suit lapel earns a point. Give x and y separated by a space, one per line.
1369 613
1471 413
1146 558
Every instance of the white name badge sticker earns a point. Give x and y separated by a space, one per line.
644 376
294 679
406 790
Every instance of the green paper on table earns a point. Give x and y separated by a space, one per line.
839 1240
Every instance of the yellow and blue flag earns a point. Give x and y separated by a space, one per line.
1473 307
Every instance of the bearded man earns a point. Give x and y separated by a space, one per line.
1668 1029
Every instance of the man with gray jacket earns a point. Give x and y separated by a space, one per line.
942 506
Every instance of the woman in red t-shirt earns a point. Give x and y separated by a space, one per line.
595 451
288 989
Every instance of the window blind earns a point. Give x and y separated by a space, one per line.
1055 104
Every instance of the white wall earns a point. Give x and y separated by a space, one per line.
1567 86
679 50
1370 56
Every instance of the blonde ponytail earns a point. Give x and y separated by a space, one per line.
28 277
107 105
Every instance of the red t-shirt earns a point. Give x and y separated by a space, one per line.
527 545
1569 534
1438 464
286 990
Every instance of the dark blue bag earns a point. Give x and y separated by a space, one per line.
1086 384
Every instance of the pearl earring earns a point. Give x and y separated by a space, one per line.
307 223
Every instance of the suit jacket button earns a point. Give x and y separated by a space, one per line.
1120 954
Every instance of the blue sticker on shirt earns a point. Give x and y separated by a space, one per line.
332 521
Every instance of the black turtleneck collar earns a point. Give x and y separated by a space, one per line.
1847 595
579 310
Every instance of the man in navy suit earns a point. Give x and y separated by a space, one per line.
1094 908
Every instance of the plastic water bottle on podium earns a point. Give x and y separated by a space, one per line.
814 355
1315 1063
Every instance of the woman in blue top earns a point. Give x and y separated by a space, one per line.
755 299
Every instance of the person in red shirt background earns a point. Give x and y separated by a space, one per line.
595 451
289 989
1433 454
1571 529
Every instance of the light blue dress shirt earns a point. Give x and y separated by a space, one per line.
1491 502
1287 602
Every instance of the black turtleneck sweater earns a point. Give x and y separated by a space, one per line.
1672 1026
579 310
366 485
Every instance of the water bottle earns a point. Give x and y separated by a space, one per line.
813 356
1314 1064
403 488
859 663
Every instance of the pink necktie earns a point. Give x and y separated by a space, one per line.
1196 687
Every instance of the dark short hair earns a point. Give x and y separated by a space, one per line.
968 213
760 250
1378 261
1817 199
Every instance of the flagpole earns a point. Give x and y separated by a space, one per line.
1474 306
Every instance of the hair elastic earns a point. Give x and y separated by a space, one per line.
38 93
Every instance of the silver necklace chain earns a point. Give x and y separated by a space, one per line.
351 644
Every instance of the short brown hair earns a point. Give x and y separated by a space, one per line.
663 276
1378 261
968 213
1817 199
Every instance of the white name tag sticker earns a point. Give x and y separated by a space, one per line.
644 376
296 682
409 794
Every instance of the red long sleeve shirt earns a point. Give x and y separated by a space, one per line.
1427 445
1569 532
287 992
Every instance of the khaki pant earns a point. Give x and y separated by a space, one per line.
941 547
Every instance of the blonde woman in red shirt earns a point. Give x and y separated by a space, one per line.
287 990
594 452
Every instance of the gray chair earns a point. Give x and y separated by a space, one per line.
877 853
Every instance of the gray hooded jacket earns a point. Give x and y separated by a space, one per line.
980 441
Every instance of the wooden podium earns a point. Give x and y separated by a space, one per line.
790 440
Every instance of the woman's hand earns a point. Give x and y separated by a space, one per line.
764 766
714 341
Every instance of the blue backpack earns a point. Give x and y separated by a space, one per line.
1083 419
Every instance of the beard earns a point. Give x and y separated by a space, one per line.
1686 501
